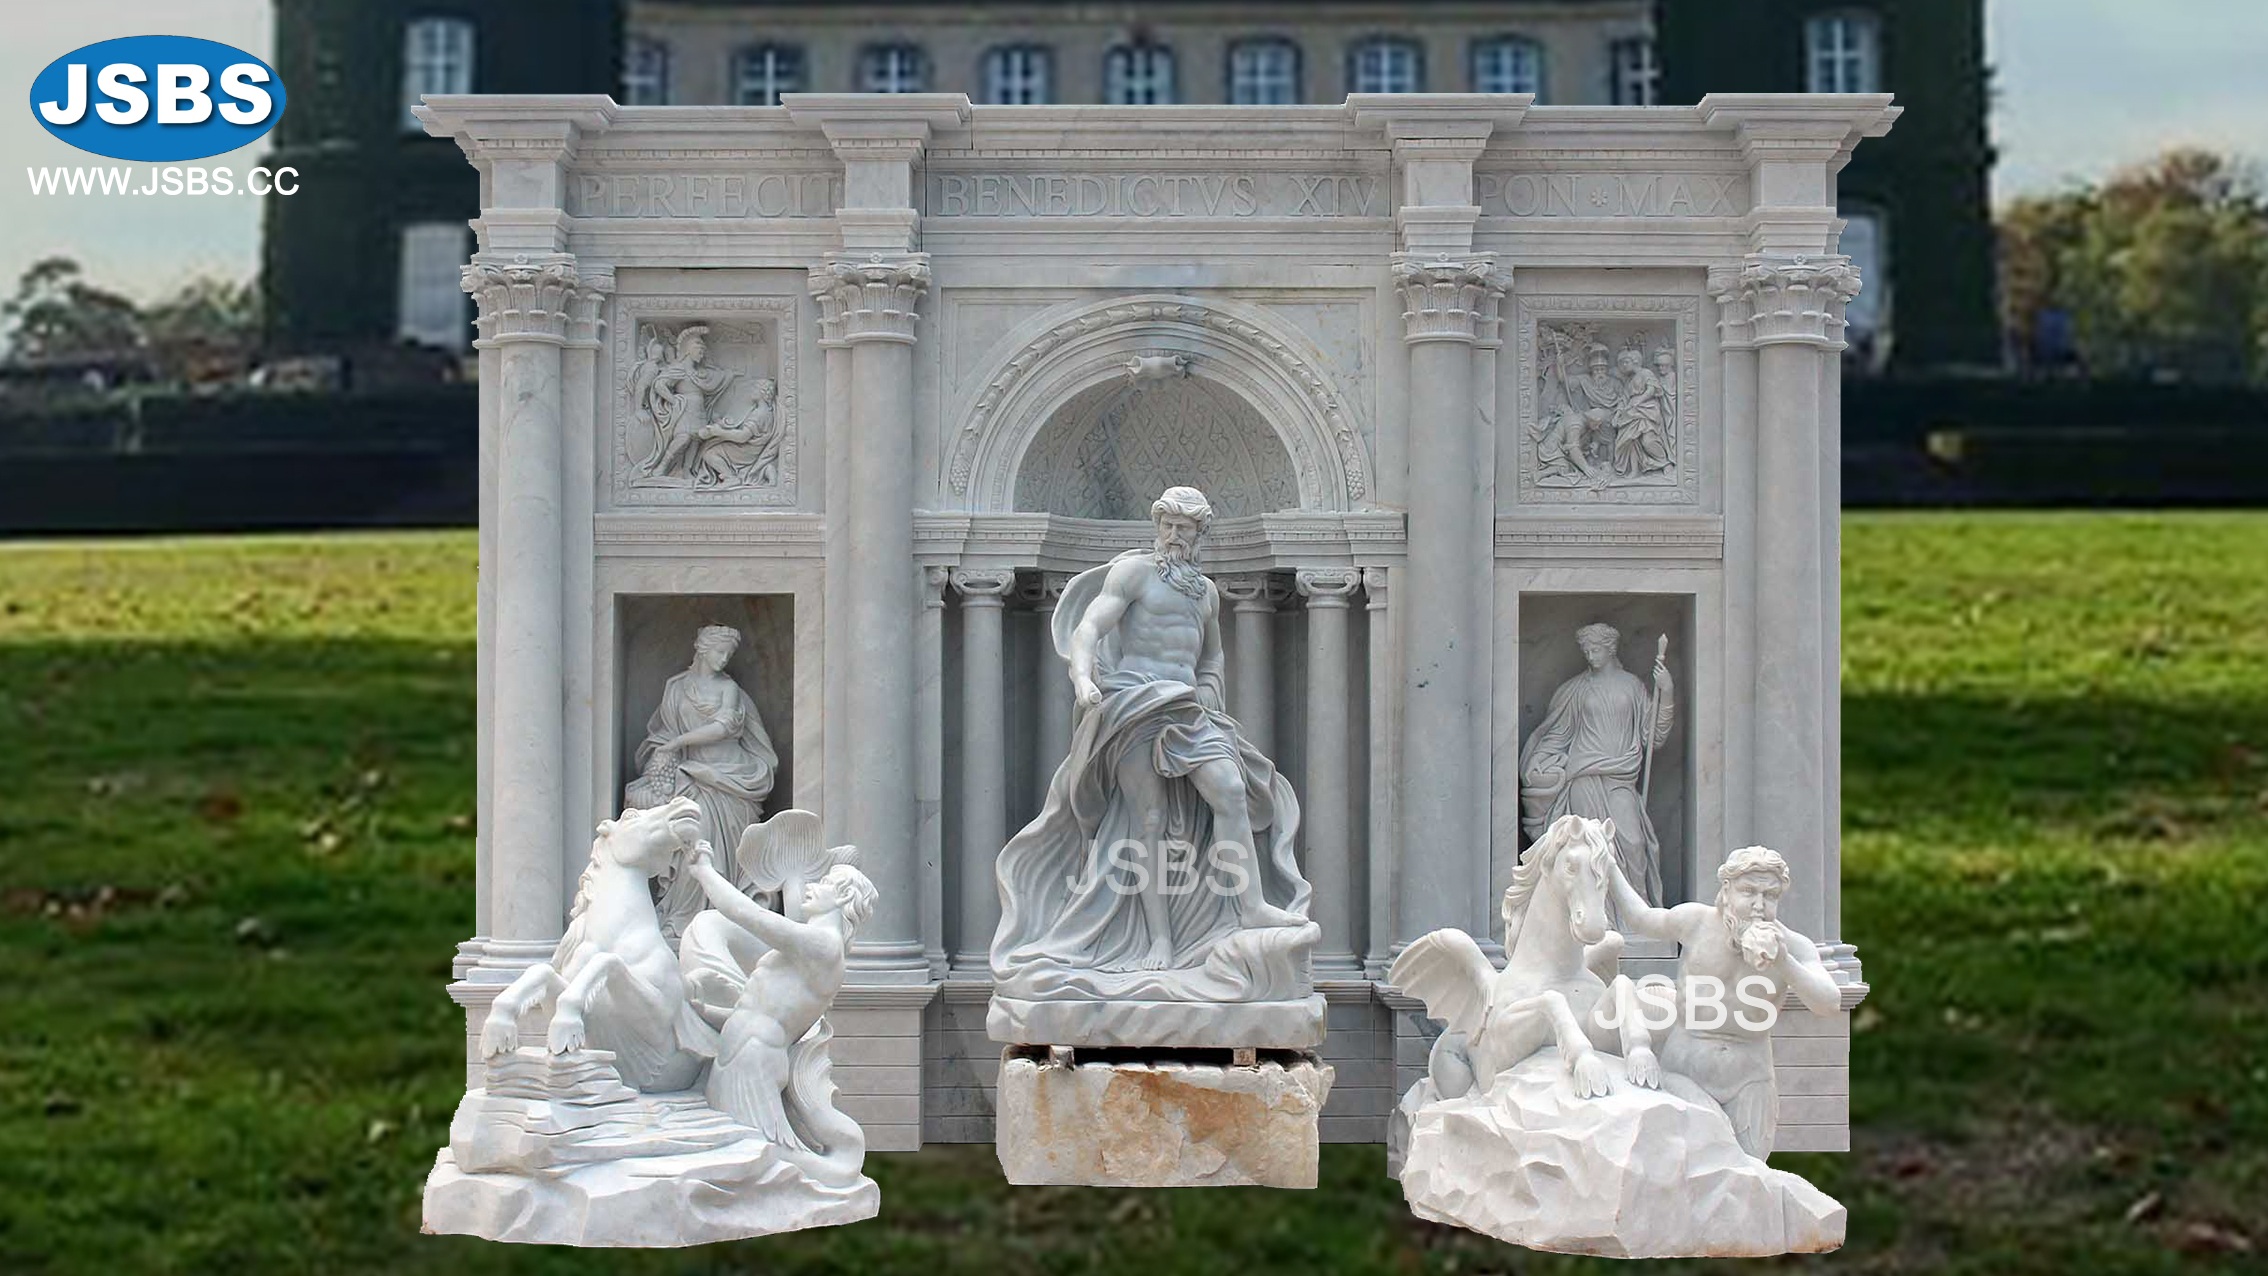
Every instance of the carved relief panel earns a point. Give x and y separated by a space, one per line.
1609 408
704 406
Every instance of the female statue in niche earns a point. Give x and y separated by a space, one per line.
706 742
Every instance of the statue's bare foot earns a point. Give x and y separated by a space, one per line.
1159 957
1259 916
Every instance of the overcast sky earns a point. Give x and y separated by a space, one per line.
2080 86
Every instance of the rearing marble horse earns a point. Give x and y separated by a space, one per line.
1559 977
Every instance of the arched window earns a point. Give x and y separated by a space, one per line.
1018 75
892 68
1385 65
437 58
645 73
762 73
1263 72
1509 64
1138 75
1637 72
1842 53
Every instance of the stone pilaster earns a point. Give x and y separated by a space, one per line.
983 802
1447 303
1384 744
1254 598
1327 807
877 297
929 738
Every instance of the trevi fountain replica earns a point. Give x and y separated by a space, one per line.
1157 638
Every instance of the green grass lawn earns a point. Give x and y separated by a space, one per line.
236 855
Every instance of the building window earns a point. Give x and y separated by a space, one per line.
1138 75
1385 66
1637 72
1868 314
437 58
891 68
1018 75
1842 54
1510 65
645 74
1263 73
430 308
761 74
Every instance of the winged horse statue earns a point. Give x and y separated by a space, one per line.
1559 985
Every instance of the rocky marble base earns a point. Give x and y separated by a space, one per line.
1192 1025
1636 1174
1160 1124
555 1150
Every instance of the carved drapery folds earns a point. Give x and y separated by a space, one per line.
535 300
1450 298
875 299
1797 299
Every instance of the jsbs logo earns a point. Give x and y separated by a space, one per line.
158 98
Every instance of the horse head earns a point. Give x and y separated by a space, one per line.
1570 864
650 838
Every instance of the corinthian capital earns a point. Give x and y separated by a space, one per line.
1449 298
527 300
1797 300
873 299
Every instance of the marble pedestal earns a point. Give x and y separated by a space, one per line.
1160 1124
1158 1025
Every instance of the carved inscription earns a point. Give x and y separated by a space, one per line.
1504 194
713 195
1147 195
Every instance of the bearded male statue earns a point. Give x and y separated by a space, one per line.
1738 937
1161 867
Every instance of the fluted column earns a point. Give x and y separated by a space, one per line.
525 308
1738 384
1255 596
878 297
929 736
984 762
1796 321
1444 795
1327 806
1054 674
1385 740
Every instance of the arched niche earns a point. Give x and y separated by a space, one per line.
1236 348
1108 452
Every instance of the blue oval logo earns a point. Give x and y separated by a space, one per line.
158 98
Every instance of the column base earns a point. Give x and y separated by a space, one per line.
1161 1121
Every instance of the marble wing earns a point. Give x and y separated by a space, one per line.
1447 971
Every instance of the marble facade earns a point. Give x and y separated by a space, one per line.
985 333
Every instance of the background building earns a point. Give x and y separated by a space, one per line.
363 261
1917 200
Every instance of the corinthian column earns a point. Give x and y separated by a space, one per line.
1252 685
877 298
1795 306
1327 804
1444 792
984 763
525 308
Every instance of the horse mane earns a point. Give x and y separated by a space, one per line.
1539 859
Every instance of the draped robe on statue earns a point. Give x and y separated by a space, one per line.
1594 737
743 764
1065 932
